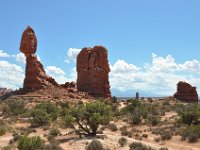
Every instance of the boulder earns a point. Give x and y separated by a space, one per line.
93 71
186 92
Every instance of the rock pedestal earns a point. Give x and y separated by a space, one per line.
93 71
185 92
35 77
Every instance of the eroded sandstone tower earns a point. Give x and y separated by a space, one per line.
185 92
35 77
93 71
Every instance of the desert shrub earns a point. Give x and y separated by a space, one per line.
189 114
145 135
54 131
43 114
191 133
16 137
157 139
32 143
63 104
94 145
9 147
2 130
122 141
124 131
14 107
112 127
193 138
90 116
133 111
153 120
139 146
52 146
135 118
50 108
163 148
39 118
114 99
67 119
166 135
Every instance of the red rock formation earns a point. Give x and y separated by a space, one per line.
185 92
93 70
36 77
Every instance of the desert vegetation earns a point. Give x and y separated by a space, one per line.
95 124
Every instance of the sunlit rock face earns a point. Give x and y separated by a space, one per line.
35 77
185 92
93 71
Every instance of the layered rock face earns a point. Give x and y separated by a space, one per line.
35 77
185 92
93 71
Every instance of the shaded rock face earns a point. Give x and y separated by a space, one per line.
185 92
93 71
35 77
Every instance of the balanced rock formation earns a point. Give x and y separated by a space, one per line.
185 92
93 71
35 77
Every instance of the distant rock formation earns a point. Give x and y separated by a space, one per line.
185 92
93 71
4 91
35 77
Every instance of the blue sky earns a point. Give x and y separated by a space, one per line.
151 44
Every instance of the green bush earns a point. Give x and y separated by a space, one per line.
191 133
139 146
43 114
52 146
50 108
189 114
124 131
90 116
14 107
32 143
2 130
112 127
122 141
39 118
166 135
94 145
153 120
54 131
145 135
67 119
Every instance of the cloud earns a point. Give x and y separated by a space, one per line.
122 66
20 58
3 54
72 54
57 73
158 77
11 75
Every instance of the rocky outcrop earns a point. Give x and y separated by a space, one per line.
93 71
185 92
35 77
4 91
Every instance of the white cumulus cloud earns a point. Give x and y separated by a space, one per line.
57 73
158 77
3 54
11 75
72 54
20 58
